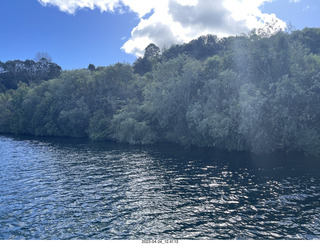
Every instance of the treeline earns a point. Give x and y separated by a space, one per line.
28 71
246 92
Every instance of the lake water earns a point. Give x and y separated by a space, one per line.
74 189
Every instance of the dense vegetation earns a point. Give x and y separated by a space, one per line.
252 93
29 71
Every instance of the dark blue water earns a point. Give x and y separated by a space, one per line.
73 189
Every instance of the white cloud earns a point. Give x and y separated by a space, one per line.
71 6
178 21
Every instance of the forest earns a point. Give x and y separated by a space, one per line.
251 92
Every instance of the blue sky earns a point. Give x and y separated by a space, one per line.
76 33
301 14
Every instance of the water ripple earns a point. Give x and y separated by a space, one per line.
67 189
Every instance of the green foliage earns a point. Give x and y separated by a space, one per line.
28 71
174 87
251 119
145 64
254 93
99 126
74 121
91 67
213 118
5 113
126 128
309 37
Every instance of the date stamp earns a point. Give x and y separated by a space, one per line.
159 241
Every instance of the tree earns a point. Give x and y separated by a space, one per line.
42 55
151 51
252 93
91 67
28 71
145 64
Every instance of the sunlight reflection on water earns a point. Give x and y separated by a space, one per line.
69 189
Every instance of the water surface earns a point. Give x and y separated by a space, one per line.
74 189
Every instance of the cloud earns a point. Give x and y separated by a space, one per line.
71 6
167 22
206 15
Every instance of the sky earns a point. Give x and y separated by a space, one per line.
76 33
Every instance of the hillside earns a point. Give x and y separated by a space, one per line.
246 93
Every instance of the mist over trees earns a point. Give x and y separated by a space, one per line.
248 93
